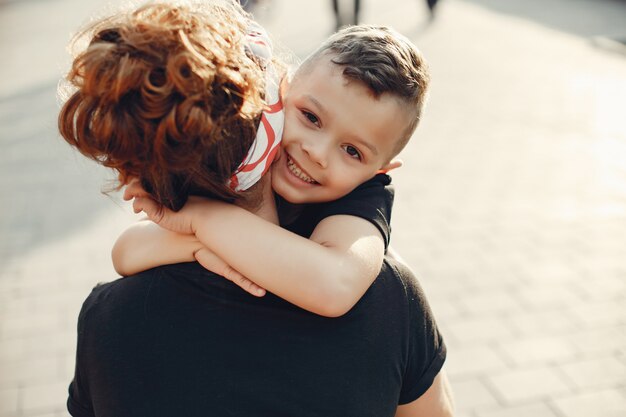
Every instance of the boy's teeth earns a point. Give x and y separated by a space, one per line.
298 172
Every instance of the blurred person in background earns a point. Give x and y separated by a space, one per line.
353 19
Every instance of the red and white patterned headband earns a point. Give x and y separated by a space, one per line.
270 130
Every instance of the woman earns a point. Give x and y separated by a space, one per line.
174 99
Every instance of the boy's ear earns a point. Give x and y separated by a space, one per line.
285 83
393 164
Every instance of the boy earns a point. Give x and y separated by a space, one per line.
349 109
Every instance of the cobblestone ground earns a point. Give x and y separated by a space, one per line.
511 205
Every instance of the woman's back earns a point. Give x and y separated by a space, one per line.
178 340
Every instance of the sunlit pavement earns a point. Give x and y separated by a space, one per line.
511 205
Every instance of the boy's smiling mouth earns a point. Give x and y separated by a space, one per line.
295 169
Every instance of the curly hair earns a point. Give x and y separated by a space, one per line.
166 94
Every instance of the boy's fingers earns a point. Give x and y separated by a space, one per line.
137 205
215 264
148 206
127 194
133 190
243 282
247 285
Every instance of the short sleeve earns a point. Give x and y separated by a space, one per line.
372 201
426 351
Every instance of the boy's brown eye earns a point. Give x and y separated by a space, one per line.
353 152
311 117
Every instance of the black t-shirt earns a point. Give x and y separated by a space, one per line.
179 341
372 201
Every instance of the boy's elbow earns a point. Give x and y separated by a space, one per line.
333 310
118 258
338 289
338 300
122 270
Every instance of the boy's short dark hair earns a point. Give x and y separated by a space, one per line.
383 60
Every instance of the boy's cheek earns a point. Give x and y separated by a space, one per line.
279 153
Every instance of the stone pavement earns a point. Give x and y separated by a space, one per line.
511 205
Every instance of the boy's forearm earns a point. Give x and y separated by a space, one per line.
321 279
145 245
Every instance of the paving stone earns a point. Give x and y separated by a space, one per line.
604 288
45 413
9 401
526 410
485 329
544 323
29 325
605 403
538 350
444 309
41 346
37 279
47 398
540 296
473 361
604 340
600 313
70 297
552 273
528 384
493 277
446 283
472 393
500 302
595 373
69 366
30 370
10 350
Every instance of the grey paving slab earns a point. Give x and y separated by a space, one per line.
511 205
534 410
514 387
605 403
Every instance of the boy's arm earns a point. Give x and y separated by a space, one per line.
145 245
360 246
327 274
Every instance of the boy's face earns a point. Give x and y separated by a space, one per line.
336 135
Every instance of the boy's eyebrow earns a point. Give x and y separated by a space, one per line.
317 103
320 108
368 145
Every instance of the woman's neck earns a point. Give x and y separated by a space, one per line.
266 207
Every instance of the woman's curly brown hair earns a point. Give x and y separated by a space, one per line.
166 94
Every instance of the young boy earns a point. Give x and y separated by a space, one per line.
350 108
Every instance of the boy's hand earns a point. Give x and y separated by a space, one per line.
179 222
215 264
134 189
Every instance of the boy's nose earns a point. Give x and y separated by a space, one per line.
316 152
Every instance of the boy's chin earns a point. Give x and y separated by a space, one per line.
289 195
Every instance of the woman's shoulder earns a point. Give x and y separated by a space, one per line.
397 276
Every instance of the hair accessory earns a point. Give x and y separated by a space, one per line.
270 130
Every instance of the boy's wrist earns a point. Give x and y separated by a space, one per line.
207 212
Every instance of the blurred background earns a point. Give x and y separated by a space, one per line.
511 205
